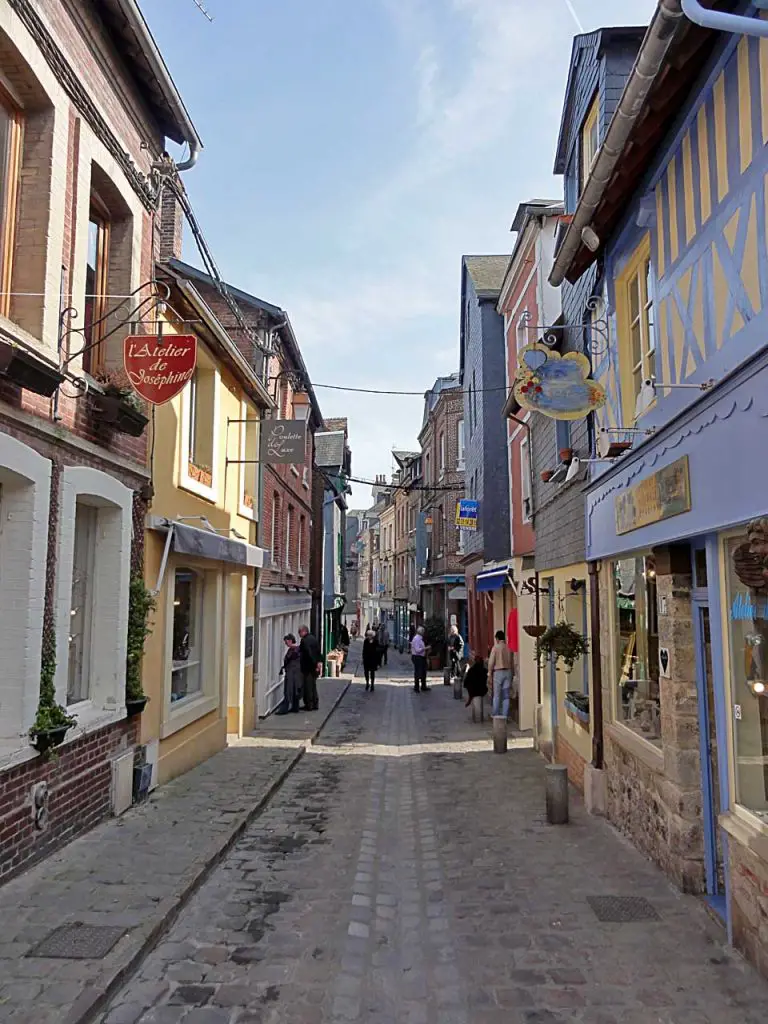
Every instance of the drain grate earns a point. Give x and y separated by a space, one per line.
78 942
622 909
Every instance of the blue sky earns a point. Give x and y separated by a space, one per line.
354 150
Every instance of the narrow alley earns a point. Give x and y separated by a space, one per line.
404 873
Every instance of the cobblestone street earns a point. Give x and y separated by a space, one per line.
405 874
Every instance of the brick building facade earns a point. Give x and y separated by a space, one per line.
442 457
89 105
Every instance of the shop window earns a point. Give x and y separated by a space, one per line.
590 140
96 285
637 331
10 164
187 655
746 573
636 631
81 607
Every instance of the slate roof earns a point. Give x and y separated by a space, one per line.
329 449
487 274
339 423
432 396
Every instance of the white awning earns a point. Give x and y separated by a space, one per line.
457 594
191 540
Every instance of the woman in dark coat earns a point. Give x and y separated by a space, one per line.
294 678
370 658
476 680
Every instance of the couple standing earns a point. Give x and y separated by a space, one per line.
302 665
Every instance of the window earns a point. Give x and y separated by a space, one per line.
442 456
525 480
249 452
473 398
275 530
521 331
96 285
636 636
590 139
202 389
428 470
460 444
187 656
288 529
634 297
300 546
10 162
747 610
81 605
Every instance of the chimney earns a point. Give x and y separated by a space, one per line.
169 227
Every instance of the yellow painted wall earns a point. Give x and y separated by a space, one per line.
568 605
202 738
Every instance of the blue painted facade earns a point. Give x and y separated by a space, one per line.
483 370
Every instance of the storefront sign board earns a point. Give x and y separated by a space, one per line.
159 367
283 442
660 496
466 514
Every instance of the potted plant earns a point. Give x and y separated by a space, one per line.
28 371
118 404
140 604
546 475
562 641
435 639
534 630
566 454
52 720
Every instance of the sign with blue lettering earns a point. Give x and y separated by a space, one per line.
466 514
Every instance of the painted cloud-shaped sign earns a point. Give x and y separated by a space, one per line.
557 386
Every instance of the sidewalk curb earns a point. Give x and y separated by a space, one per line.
142 940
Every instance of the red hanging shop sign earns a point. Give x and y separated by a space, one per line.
159 367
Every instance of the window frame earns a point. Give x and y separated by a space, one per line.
93 354
526 497
441 443
9 213
198 611
638 269
275 531
300 545
90 519
287 539
589 150
187 481
461 444
248 416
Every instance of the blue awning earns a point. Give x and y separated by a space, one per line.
493 579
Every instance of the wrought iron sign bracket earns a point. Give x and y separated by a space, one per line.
550 335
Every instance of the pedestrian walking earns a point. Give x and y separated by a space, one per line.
311 667
500 667
293 682
476 680
370 658
383 642
419 659
344 635
455 651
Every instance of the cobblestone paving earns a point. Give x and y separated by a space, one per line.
404 875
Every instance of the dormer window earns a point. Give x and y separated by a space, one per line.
590 140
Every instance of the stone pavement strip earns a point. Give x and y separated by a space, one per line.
137 872
404 874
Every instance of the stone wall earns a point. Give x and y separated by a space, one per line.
749 904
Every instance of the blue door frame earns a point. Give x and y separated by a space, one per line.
702 597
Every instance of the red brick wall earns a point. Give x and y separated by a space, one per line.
79 781
565 754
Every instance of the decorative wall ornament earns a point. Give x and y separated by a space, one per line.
557 386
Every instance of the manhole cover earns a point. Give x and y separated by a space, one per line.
620 909
78 942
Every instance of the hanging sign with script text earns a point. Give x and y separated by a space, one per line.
284 442
158 367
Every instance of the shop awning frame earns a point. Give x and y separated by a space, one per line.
209 544
492 579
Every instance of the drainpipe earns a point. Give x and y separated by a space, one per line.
722 22
596 697
649 61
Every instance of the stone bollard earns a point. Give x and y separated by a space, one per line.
499 734
557 794
478 710
458 688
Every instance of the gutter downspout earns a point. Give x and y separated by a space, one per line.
596 696
723 22
649 61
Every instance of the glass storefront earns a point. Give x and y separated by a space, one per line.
746 574
636 636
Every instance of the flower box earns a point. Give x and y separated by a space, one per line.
577 708
27 371
202 474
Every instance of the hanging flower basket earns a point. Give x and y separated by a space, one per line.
546 475
535 631
562 641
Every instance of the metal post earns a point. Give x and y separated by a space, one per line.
499 734
557 793
458 688
478 711
596 696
